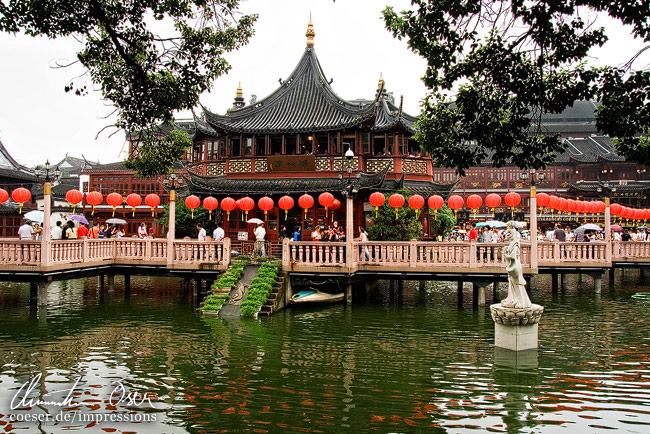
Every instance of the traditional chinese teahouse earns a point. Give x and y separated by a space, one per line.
304 138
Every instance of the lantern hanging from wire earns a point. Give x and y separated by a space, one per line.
94 198
192 202
396 201
435 202
21 195
246 204
492 201
542 201
4 195
571 206
474 201
512 199
133 200
265 204
74 197
455 202
210 203
114 200
326 199
416 202
305 202
335 205
152 201
286 203
377 199
228 204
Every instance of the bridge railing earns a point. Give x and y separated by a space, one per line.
630 250
188 251
20 252
28 252
557 253
309 253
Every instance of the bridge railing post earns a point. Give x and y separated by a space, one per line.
84 249
556 251
413 253
472 254
534 253
226 252
285 253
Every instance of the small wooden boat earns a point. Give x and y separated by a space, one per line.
315 296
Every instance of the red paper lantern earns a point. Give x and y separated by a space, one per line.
553 202
512 199
335 205
571 206
542 200
599 206
286 203
455 202
228 204
562 204
492 201
4 196
396 201
21 195
377 199
237 202
74 197
94 198
133 200
326 200
265 204
416 202
210 203
114 200
615 209
474 201
305 202
638 214
192 202
435 202
246 204
152 201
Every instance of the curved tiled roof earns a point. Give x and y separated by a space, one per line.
223 185
305 102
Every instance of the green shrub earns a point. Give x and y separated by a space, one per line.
260 289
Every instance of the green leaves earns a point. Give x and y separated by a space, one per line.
494 68
146 74
386 227
156 152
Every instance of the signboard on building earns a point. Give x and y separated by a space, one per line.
291 163
242 236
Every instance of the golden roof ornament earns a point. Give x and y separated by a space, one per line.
381 83
240 92
310 33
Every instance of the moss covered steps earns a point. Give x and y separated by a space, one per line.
275 301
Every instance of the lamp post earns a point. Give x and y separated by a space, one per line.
172 182
47 210
533 214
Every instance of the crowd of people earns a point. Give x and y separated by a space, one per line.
556 233
71 230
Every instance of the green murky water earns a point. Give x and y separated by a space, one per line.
408 361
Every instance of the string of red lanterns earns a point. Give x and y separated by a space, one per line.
435 202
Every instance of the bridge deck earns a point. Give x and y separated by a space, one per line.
334 258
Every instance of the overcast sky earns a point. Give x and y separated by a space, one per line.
39 121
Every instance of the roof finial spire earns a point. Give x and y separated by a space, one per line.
310 33
239 99
381 83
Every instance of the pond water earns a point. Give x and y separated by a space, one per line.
405 360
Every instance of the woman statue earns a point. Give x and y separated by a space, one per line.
517 296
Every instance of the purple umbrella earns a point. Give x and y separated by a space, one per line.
78 218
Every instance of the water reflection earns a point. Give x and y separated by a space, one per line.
400 359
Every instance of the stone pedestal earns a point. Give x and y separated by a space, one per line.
516 329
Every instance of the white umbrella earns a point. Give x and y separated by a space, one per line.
116 221
590 227
254 220
34 216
